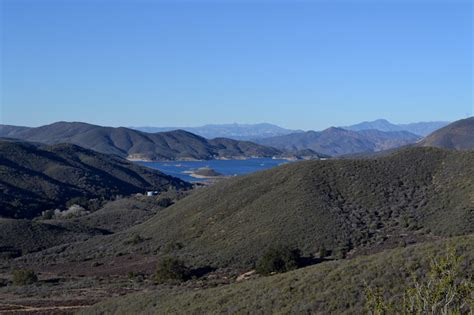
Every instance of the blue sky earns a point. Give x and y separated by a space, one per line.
299 64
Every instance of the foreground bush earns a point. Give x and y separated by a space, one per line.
24 277
171 269
445 290
278 259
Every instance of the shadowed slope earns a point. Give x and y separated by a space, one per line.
35 178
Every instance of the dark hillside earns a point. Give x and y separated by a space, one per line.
36 178
123 213
19 237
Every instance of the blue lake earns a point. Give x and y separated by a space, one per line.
226 167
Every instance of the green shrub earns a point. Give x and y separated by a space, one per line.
341 251
47 215
444 290
323 252
171 269
134 240
171 247
24 277
278 260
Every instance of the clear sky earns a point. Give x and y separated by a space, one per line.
299 64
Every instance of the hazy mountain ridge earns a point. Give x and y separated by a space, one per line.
34 178
232 131
9 131
418 128
133 144
338 141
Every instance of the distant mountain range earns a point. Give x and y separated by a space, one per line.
232 131
337 141
37 177
254 132
134 144
420 128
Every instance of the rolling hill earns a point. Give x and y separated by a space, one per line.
459 135
34 178
31 236
346 206
137 145
337 141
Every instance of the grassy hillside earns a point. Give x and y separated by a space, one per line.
20 237
134 144
338 141
335 204
118 215
328 288
35 178
458 135
346 206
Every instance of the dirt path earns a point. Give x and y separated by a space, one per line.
18 308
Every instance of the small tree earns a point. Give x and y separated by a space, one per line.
278 259
375 301
24 277
171 269
443 292
323 252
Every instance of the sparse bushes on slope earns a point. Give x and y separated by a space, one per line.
24 277
278 260
445 290
333 287
134 240
171 269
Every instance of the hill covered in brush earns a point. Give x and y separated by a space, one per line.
134 144
346 206
335 287
34 178
459 135
337 141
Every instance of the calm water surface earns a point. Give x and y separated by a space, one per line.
226 167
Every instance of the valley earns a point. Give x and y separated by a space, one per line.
100 254
236 157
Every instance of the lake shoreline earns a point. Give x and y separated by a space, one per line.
190 170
